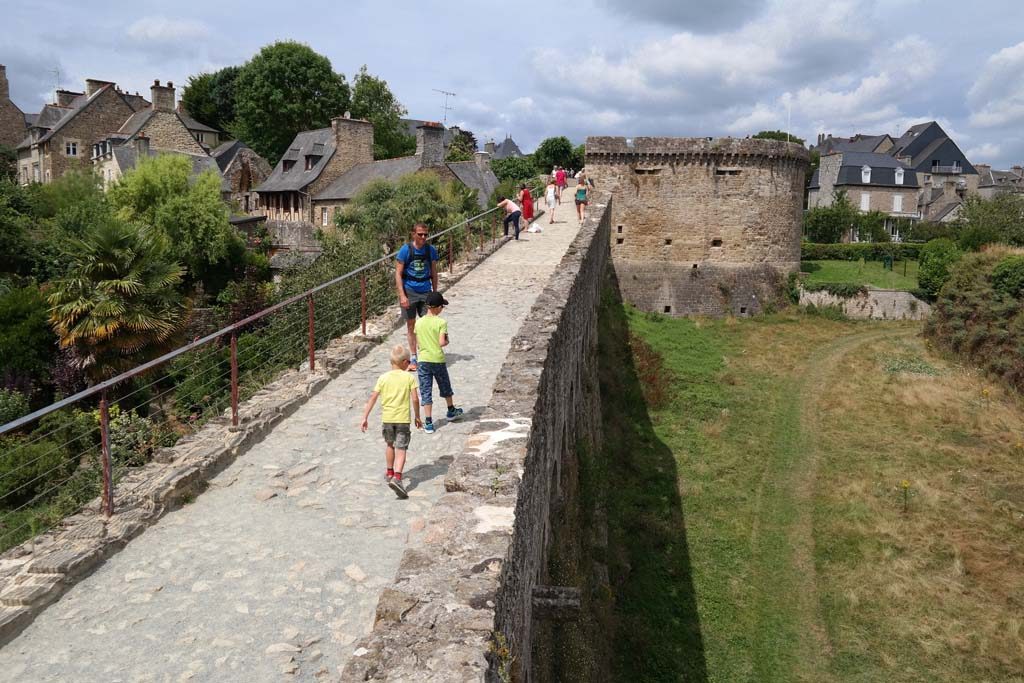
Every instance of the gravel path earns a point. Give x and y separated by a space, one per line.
275 570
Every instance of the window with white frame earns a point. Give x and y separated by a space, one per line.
899 176
323 215
897 203
865 201
865 174
71 148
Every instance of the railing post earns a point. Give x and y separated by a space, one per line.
481 238
108 470
451 255
362 301
234 379
312 338
494 228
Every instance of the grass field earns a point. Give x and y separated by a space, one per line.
867 273
758 504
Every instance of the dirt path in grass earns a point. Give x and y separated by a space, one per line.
820 368
799 477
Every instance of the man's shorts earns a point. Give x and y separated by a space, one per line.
427 373
396 434
417 304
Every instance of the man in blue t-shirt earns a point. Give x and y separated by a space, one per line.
415 277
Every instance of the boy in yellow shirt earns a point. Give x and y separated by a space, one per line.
395 388
431 335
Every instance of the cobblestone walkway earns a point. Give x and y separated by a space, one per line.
274 571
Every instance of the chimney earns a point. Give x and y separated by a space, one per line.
93 86
353 140
430 145
490 147
949 189
483 160
5 89
1019 170
66 97
162 96
141 148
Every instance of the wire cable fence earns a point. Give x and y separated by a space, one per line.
56 459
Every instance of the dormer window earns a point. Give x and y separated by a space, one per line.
311 161
899 176
865 174
288 163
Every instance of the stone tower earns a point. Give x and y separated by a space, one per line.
701 225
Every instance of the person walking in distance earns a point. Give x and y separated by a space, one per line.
526 202
512 214
432 336
415 277
395 389
550 193
560 181
582 196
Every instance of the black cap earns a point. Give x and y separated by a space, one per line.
434 299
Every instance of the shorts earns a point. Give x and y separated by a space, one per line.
396 434
581 201
426 373
417 304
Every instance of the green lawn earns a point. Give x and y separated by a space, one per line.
868 273
756 506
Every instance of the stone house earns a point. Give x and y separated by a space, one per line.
242 170
13 122
871 181
429 156
207 136
55 146
992 182
117 155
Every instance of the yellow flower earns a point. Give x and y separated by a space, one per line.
985 392
905 484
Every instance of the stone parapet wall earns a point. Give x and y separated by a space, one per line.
736 204
872 304
461 606
709 289
36 573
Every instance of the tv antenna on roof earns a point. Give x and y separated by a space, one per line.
445 106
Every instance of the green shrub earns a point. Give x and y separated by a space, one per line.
1008 276
132 438
844 290
13 404
978 321
869 251
933 267
31 468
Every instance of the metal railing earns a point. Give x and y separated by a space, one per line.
61 456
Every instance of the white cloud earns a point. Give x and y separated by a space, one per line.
160 29
997 96
984 151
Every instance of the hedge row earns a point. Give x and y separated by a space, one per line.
869 251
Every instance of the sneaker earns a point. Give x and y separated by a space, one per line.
454 413
428 427
398 487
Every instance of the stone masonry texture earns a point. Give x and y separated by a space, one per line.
701 225
12 120
276 569
873 304
93 124
460 608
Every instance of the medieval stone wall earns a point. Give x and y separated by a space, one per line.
701 225
462 605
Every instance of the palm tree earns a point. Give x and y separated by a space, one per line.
118 306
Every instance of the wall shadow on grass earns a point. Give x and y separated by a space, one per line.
657 629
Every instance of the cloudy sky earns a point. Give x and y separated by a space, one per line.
619 67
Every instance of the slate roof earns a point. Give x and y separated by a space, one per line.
225 152
814 183
923 141
47 117
992 178
351 181
135 122
128 157
883 170
192 124
412 124
483 181
297 178
858 143
30 120
507 148
136 101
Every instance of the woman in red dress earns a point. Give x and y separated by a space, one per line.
526 201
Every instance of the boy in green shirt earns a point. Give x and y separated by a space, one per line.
395 388
431 335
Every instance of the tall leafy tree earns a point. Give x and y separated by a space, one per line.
284 89
373 100
463 145
188 212
557 151
119 305
210 97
